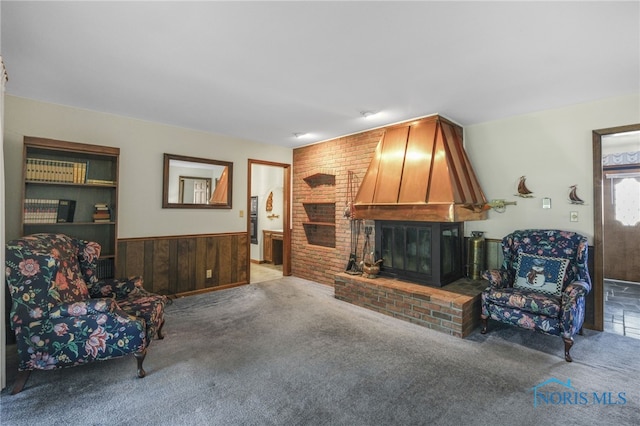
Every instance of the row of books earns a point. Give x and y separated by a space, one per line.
56 171
101 182
104 268
48 211
101 213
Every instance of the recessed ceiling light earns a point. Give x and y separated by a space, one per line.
367 114
299 135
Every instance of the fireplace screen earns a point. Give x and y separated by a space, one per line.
423 252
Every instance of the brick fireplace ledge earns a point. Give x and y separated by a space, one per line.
453 309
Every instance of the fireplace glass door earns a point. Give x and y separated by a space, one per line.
422 252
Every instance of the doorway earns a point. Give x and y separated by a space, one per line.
269 220
616 275
193 190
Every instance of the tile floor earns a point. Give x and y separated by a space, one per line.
622 308
265 272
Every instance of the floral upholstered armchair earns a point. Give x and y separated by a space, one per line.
541 285
63 315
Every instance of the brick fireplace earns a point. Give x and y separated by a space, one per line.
322 235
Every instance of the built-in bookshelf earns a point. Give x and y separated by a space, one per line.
72 188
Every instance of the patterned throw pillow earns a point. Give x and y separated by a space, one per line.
541 274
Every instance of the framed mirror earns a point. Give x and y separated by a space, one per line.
196 183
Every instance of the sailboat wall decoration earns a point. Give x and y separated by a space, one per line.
523 191
573 196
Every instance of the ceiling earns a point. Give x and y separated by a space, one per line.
264 70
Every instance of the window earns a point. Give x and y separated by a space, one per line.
627 201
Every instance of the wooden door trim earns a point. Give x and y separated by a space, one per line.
598 250
286 215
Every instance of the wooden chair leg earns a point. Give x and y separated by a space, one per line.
140 358
568 343
485 324
159 331
21 380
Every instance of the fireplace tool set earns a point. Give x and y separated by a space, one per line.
370 268
352 264
367 267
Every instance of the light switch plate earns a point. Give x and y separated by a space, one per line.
546 203
573 216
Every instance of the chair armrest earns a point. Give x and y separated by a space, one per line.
575 290
85 307
498 278
116 288
573 307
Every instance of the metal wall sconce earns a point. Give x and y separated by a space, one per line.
499 206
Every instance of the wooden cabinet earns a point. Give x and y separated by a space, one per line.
272 248
72 188
267 251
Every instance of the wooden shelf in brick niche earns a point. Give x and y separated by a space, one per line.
318 202
320 226
320 234
321 176
320 213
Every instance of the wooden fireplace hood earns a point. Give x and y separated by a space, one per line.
420 172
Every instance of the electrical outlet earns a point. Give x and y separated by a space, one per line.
209 273
573 216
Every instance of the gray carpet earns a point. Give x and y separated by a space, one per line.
285 352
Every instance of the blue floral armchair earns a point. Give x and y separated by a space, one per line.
63 316
541 285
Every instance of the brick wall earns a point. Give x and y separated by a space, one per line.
319 252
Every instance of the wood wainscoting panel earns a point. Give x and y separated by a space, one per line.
159 266
178 265
186 265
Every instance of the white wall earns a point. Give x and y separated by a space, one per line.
142 145
553 149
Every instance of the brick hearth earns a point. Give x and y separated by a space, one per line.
453 309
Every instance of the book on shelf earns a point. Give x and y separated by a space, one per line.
66 210
80 172
55 171
101 213
38 210
101 182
